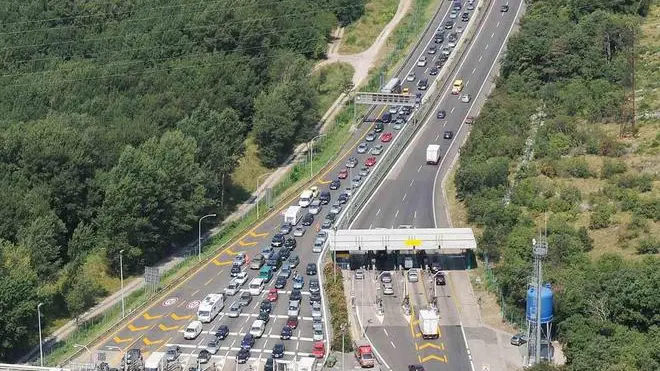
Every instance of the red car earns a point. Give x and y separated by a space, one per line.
386 137
292 323
318 350
343 174
371 161
272 294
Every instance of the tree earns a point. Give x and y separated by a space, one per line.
43 238
81 295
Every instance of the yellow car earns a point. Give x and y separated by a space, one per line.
457 87
405 91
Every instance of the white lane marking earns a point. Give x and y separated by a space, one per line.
392 344
404 197
378 212
480 57
414 216
473 70
452 110
397 213
426 70
411 183
420 168
385 331
443 126
438 136
486 47
371 225
467 83
492 35
498 24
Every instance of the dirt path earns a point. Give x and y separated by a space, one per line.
364 61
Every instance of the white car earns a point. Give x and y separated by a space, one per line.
422 61
411 76
315 207
322 236
318 335
294 309
453 14
336 208
235 310
239 259
388 289
192 330
393 110
232 288
241 278
465 98
413 276
299 231
318 246
258 328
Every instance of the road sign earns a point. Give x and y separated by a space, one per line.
375 99
151 275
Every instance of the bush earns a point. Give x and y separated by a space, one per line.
601 217
648 246
612 167
334 288
576 167
643 183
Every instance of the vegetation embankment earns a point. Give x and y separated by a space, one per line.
121 125
334 288
566 86
359 35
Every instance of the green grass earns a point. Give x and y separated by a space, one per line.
359 35
330 81
249 167
648 67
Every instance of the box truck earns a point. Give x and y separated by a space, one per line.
292 215
433 154
428 324
157 361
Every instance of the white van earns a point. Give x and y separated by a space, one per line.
256 286
258 328
306 198
193 330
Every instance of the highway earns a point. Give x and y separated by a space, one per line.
161 325
407 197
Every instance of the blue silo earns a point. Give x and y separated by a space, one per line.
547 312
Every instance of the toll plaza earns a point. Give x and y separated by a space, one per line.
403 248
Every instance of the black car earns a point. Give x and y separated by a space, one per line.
247 342
325 197
311 269
264 317
343 198
243 355
296 295
293 261
449 25
222 332
415 368
443 58
434 71
308 219
423 84
435 267
278 240
465 17
442 114
266 306
278 350
290 243
335 184
284 253
235 270
314 285
379 127
440 280
448 134
439 37
314 297
439 63
204 356
280 282
504 8
286 333
270 364
286 228
331 217
132 356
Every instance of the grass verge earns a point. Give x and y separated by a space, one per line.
334 288
330 81
359 35
649 61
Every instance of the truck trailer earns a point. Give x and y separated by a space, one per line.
428 324
433 154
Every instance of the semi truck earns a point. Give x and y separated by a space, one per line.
364 354
428 324
433 154
292 215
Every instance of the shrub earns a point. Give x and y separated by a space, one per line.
334 289
648 246
643 183
612 167
576 167
601 217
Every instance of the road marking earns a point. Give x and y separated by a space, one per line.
397 213
411 183
385 331
452 110
242 243
480 57
195 292
498 24
433 357
149 317
148 342
371 225
119 340
168 328
414 216
392 344
486 47
492 35
420 168
438 136
325 181
378 212
221 271
426 70
467 83
219 263
431 345
176 317
135 328
257 235
209 281
473 70
404 197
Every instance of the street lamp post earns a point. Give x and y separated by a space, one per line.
91 358
257 190
121 279
199 236
41 348
311 155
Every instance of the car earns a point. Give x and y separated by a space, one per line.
441 114
243 356
359 274
257 262
405 110
453 37
293 261
266 306
459 28
235 270
321 236
298 282
443 58
263 316
232 288
317 323
331 217
270 364
315 297
295 295
446 51
212 346
386 137
362 147
294 309
248 341
451 44
422 61
439 37
398 125
314 285
133 356
292 322
448 134
204 356
286 333
432 50
386 277
418 99
317 247
317 311
415 368
239 259
413 275
241 278
343 198
311 269
222 332
318 349
272 294
290 243
285 228
465 98
370 161
355 183
470 7
335 184
453 14
504 8
393 110
235 310
434 71
364 171
258 327
440 279
278 350
326 225
377 150
465 17
439 63
411 76
343 174
314 207
351 162
299 231
370 137
245 299
378 127
388 289
315 191
518 339
318 335
449 25
193 330
280 282
173 353
276 241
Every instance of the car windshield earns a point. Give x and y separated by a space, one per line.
203 313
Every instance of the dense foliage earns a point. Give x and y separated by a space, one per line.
569 62
120 122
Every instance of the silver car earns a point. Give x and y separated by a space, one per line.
364 171
314 207
235 310
446 51
299 231
453 14
318 246
388 289
359 274
377 150
411 76
393 110
212 347
322 236
370 137
351 162
413 275
362 147
356 181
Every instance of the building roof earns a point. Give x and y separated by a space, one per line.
402 239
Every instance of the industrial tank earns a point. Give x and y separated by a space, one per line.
547 312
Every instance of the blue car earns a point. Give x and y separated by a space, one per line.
247 342
298 282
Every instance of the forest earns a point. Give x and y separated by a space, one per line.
119 123
570 65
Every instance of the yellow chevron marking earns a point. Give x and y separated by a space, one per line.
325 181
151 342
258 235
168 328
134 328
179 318
119 340
219 263
431 345
433 357
149 317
